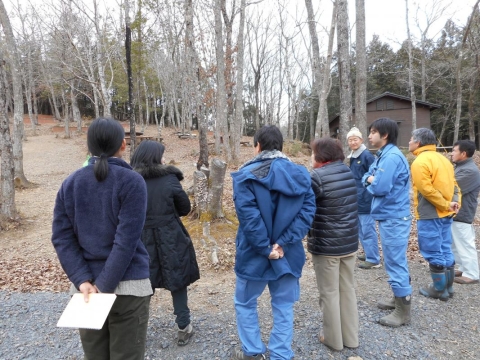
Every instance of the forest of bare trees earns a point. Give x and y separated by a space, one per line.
227 66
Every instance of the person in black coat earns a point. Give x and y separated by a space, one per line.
173 263
333 243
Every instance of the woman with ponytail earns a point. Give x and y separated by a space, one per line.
97 224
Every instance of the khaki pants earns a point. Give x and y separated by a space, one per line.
124 333
337 300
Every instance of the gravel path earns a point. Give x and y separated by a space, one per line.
438 331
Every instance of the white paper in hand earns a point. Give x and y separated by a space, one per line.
91 315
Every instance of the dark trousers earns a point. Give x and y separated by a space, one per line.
180 308
124 333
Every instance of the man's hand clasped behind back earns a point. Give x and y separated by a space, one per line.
277 252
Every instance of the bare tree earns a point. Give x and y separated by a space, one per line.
459 71
128 54
18 128
433 12
221 96
258 36
410 71
237 132
344 72
7 169
316 63
361 69
323 125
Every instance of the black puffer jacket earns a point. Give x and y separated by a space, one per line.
334 230
173 263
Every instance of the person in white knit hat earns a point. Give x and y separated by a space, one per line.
360 160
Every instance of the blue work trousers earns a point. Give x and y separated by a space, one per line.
284 292
368 237
435 241
394 235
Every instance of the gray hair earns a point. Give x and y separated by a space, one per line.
424 136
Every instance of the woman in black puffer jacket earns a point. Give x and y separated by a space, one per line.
333 243
173 263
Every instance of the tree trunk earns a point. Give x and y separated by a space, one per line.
316 63
424 69
203 143
221 103
106 96
411 85
7 168
237 133
215 191
361 70
66 118
200 186
344 73
229 72
471 106
128 54
323 125
18 128
147 99
75 110
28 99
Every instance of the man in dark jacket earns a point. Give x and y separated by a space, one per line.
360 160
463 233
275 206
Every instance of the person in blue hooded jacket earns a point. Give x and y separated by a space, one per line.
275 206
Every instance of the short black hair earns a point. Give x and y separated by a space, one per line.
327 149
466 145
148 153
386 126
269 137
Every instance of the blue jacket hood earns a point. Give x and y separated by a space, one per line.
276 172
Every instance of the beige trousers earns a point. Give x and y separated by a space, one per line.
337 300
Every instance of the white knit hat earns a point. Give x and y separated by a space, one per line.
354 131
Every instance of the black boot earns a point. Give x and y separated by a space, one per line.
450 277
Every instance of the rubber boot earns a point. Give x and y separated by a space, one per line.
387 304
401 314
450 277
438 289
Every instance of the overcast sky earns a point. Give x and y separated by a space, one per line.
385 18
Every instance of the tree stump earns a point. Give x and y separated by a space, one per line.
217 178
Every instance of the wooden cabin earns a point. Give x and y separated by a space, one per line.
395 107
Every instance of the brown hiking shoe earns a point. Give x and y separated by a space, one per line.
465 280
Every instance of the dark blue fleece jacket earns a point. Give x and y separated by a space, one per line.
97 226
359 166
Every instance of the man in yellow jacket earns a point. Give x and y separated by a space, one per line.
436 198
